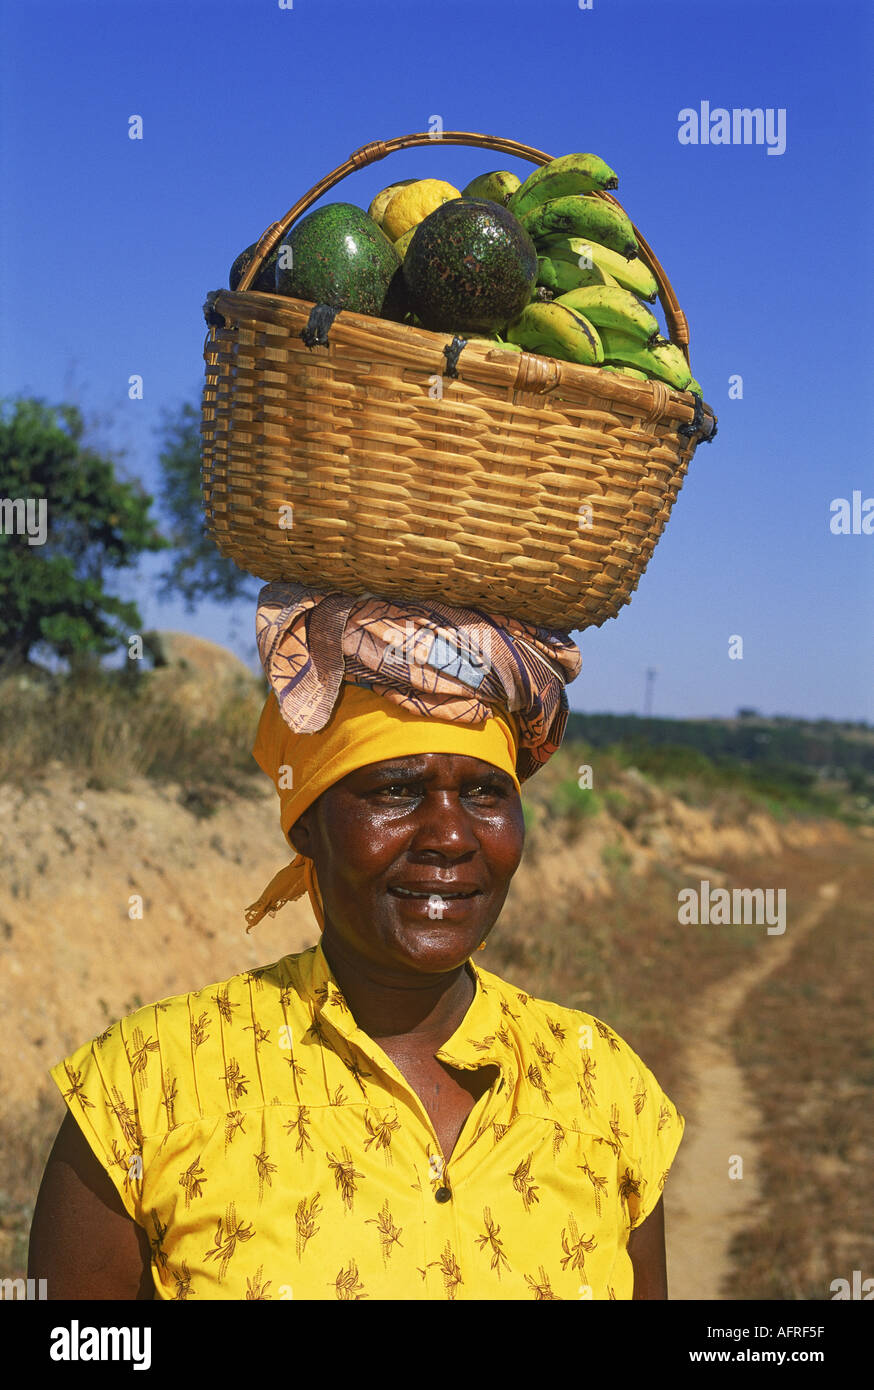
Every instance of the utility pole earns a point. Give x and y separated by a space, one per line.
647 699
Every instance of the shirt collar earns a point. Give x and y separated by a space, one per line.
482 1037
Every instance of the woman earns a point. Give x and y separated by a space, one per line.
377 1117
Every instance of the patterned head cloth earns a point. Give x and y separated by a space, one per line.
361 680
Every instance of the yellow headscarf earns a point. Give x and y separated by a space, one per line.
364 728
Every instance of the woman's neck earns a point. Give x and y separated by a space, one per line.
426 1009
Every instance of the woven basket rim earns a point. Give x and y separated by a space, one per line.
654 398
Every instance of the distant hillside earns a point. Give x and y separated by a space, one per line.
114 725
828 766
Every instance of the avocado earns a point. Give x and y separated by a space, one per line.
396 304
338 256
470 265
264 281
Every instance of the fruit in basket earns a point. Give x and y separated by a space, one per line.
411 205
396 305
561 276
380 202
403 242
554 330
664 360
625 371
609 306
470 266
539 266
632 275
339 257
494 339
496 187
582 216
264 281
571 173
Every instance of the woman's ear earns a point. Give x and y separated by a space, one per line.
299 835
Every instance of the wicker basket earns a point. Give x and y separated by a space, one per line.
388 462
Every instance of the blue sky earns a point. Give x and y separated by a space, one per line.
109 246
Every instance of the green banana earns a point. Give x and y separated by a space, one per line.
497 187
631 275
556 331
572 173
496 341
665 360
626 371
582 217
561 276
609 306
696 389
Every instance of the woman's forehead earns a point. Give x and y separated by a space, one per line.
431 764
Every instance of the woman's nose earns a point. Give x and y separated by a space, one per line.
444 824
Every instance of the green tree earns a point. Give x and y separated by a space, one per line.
198 568
52 591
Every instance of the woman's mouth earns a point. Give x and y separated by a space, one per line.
437 904
432 893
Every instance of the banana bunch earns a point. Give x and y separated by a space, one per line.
588 261
589 302
599 265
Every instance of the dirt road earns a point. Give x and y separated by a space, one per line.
704 1205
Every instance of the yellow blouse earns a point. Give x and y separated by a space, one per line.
271 1149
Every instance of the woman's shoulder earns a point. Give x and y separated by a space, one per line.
575 1029
586 1067
182 1056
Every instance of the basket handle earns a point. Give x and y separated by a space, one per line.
678 327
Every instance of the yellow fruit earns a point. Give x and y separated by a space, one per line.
378 206
411 205
403 242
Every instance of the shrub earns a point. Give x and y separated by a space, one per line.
574 802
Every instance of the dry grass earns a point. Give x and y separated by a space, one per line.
112 728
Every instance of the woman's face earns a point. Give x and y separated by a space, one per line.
433 824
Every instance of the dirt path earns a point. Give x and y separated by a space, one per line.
704 1207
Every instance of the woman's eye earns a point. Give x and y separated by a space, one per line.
414 789
486 789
